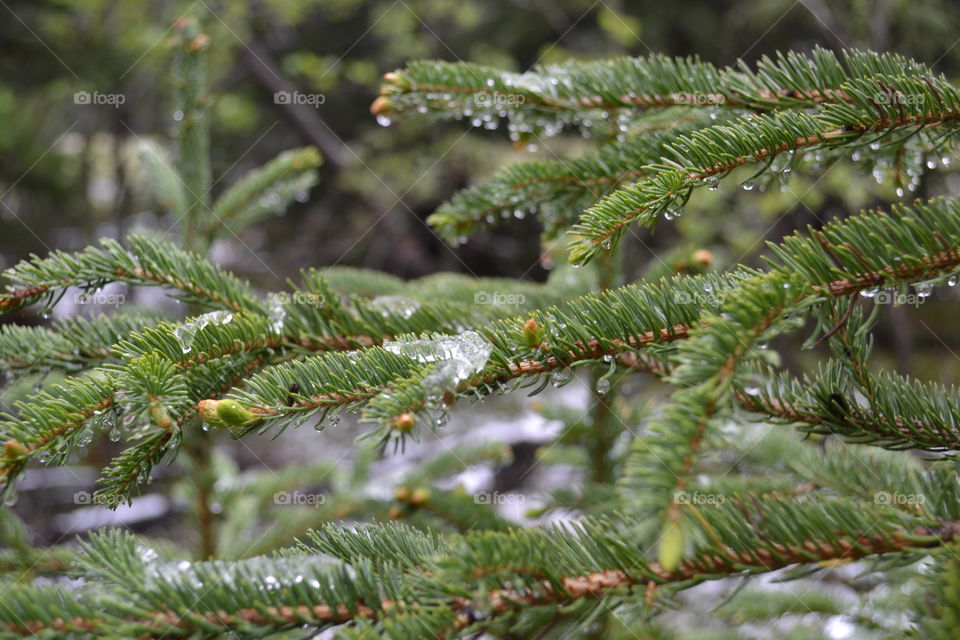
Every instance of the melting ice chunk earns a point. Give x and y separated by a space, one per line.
395 305
187 331
456 356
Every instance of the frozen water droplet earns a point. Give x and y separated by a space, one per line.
395 305
456 356
187 331
278 314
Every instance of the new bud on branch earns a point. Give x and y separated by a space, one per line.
227 413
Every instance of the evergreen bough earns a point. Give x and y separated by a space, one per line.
403 355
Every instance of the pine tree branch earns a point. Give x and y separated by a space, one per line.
708 155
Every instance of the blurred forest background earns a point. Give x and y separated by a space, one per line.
70 173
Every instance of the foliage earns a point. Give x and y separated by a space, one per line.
657 512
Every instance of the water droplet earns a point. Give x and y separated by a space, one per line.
952 281
603 385
10 497
43 457
923 289
178 115
713 184
114 434
383 121
869 293
561 377
748 185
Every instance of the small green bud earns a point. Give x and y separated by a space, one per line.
225 413
532 334
670 550
234 414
